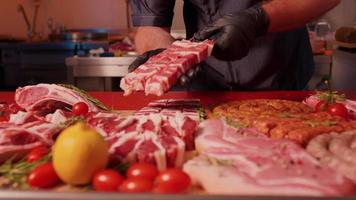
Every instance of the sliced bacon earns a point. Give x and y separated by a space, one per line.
249 165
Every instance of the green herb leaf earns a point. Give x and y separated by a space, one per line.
235 123
314 124
285 115
219 162
85 95
329 123
202 113
330 96
14 174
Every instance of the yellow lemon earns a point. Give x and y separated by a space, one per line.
78 153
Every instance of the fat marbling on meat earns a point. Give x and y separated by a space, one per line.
162 71
250 165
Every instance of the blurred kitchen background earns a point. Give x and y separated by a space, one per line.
89 43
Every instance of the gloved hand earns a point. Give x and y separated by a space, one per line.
235 33
141 59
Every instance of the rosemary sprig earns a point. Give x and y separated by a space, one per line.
85 95
202 113
235 123
218 162
330 96
14 174
314 124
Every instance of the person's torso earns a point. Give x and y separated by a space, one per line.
277 61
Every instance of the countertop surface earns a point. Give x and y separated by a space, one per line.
116 100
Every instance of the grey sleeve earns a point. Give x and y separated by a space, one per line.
152 12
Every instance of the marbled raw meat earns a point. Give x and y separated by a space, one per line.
250 165
151 138
49 97
162 71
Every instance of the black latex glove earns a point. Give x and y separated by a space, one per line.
141 59
235 33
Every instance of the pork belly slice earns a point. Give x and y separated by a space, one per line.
136 80
162 81
49 97
201 49
245 162
231 171
175 60
108 124
146 138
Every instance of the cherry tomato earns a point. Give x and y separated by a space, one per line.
37 153
43 176
338 109
136 185
80 108
107 180
142 171
3 119
172 181
321 106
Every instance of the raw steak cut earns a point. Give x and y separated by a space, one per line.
49 97
250 165
337 150
153 138
162 71
6 110
17 140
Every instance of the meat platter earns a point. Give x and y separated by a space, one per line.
233 145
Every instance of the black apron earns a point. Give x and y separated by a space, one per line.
280 61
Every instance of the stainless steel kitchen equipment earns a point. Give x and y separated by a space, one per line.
76 35
97 73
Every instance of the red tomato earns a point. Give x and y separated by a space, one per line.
136 185
172 181
321 106
107 180
37 153
80 108
43 176
142 171
3 119
338 109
